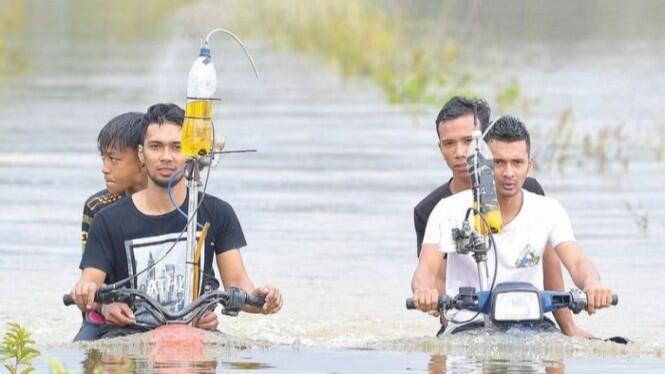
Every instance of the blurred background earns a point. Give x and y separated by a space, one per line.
343 120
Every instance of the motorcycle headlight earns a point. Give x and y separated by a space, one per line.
516 306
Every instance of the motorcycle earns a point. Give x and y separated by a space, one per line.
174 342
511 305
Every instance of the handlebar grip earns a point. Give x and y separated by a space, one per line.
441 303
410 304
615 299
256 301
67 300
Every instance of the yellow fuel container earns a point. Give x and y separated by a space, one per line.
485 202
197 128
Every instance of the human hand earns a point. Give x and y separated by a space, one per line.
273 299
208 321
434 313
598 296
118 314
83 294
426 299
219 144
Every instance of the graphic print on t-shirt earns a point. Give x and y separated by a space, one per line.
527 257
165 279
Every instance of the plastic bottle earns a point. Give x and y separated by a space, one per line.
197 126
481 169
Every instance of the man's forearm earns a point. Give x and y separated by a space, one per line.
441 279
93 275
553 280
422 279
584 272
428 270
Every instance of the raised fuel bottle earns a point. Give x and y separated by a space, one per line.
481 170
197 130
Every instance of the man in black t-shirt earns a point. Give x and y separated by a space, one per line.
454 125
136 233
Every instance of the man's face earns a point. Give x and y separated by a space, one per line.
122 169
454 140
511 166
161 153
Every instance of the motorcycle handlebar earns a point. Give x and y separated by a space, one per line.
67 300
441 303
256 301
410 304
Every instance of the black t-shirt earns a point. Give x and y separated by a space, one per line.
123 241
424 208
92 206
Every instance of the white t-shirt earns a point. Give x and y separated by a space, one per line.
520 244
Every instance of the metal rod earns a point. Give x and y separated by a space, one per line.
236 151
193 180
483 276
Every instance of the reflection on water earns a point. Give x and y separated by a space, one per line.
280 359
440 364
326 203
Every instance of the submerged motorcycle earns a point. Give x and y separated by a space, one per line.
232 301
511 305
173 341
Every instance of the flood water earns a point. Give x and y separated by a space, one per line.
326 203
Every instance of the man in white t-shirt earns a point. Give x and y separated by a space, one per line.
530 222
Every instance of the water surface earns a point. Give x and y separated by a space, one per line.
326 204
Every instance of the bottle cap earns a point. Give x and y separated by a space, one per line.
205 51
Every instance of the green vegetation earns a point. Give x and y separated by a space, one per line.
364 39
56 367
17 352
17 348
597 151
12 19
119 19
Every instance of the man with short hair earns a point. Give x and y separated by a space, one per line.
530 223
118 143
135 233
454 125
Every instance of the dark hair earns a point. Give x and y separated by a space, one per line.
121 132
162 113
459 106
509 129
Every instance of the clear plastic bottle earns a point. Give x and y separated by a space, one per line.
481 169
197 126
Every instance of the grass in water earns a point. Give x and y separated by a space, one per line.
17 350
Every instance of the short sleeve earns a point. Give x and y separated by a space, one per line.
98 251
562 229
439 228
229 235
85 225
